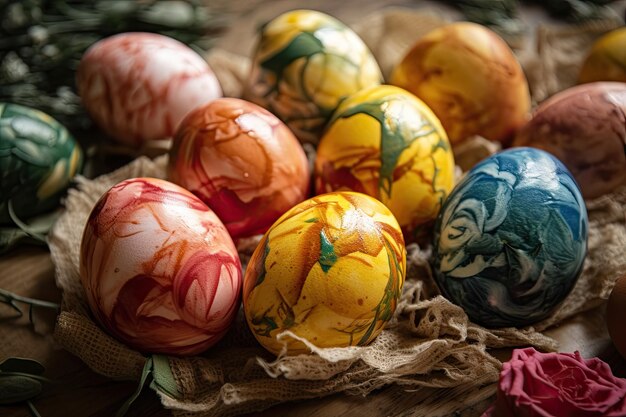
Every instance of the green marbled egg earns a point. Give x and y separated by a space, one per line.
38 158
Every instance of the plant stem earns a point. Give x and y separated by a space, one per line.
9 298
32 409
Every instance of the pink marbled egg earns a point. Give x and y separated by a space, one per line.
159 269
139 86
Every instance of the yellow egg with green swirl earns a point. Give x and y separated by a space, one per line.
305 63
330 271
385 142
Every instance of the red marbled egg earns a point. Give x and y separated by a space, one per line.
139 86
159 269
242 161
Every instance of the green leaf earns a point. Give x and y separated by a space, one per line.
24 365
17 388
163 378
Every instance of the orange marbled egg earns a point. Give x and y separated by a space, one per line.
470 79
242 161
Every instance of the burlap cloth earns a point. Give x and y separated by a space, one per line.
428 345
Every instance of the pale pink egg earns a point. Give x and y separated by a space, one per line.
139 86
159 269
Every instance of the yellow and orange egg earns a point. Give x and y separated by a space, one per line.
470 78
606 61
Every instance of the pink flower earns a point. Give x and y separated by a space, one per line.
557 384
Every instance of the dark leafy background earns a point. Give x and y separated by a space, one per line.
42 42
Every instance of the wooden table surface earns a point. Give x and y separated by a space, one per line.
78 391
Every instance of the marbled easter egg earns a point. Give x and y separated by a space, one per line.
470 78
330 270
606 60
305 63
138 86
38 158
384 142
160 271
242 161
511 238
585 128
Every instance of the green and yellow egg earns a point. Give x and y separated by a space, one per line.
38 158
330 270
305 63
385 142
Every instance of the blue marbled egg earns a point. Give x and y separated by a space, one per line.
511 238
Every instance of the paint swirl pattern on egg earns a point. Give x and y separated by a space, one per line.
384 142
470 78
305 63
242 161
159 269
38 159
139 86
330 270
511 238
585 128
